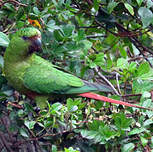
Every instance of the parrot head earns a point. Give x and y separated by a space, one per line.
32 36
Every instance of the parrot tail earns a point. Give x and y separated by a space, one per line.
98 87
102 98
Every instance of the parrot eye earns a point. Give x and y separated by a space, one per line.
25 37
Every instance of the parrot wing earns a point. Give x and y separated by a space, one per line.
49 80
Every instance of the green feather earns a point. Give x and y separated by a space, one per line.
28 32
45 79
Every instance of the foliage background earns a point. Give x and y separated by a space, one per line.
105 41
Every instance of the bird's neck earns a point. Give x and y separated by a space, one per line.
16 51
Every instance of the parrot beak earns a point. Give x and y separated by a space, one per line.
37 44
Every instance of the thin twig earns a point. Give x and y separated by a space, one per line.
131 95
133 39
136 42
95 36
9 28
110 73
33 136
106 80
15 105
88 26
118 86
105 27
45 135
141 49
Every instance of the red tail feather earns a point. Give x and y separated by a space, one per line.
102 98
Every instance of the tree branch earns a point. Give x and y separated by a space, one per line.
106 80
12 1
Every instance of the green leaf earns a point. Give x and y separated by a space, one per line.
139 2
51 23
143 141
146 16
128 147
152 139
36 10
87 44
137 86
80 36
56 107
20 24
55 3
148 122
100 61
96 5
68 30
143 68
129 8
4 40
24 132
146 94
10 7
149 113
30 124
121 121
106 132
51 26
111 6
122 51
1 62
73 104
135 50
70 149
100 133
89 134
58 35
136 131
147 103
149 3
122 63
21 113
54 148
96 124
147 76
132 67
91 64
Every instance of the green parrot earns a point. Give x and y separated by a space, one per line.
39 79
